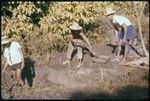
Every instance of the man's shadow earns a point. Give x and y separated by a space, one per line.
28 72
115 47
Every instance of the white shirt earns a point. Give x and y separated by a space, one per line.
12 53
121 20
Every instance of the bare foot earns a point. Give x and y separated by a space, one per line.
99 60
21 83
123 62
115 60
66 62
79 65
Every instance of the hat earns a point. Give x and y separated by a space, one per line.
6 40
75 26
109 11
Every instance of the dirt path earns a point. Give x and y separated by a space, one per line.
93 80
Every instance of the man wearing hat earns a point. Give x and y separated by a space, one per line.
14 58
124 29
78 41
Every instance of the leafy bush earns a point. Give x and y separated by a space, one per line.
43 27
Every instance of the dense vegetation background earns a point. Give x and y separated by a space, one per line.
42 27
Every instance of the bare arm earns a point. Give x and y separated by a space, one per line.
115 30
5 66
22 57
6 60
125 32
86 41
70 37
114 26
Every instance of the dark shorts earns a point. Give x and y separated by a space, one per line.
130 33
15 67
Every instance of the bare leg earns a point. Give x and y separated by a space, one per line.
19 77
69 53
79 56
125 54
80 63
118 51
14 76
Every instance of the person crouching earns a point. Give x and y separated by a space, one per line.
79 41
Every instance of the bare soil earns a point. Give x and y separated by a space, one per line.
53 80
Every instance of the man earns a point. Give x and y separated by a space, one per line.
124 30
78 41
14 58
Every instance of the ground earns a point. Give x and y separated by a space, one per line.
91 81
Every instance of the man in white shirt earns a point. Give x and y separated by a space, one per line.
123 26
14 58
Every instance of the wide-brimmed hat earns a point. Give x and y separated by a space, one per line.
5 40
109 11
75 26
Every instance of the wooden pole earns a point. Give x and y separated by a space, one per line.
140 30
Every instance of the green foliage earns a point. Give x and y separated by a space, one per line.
43 27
